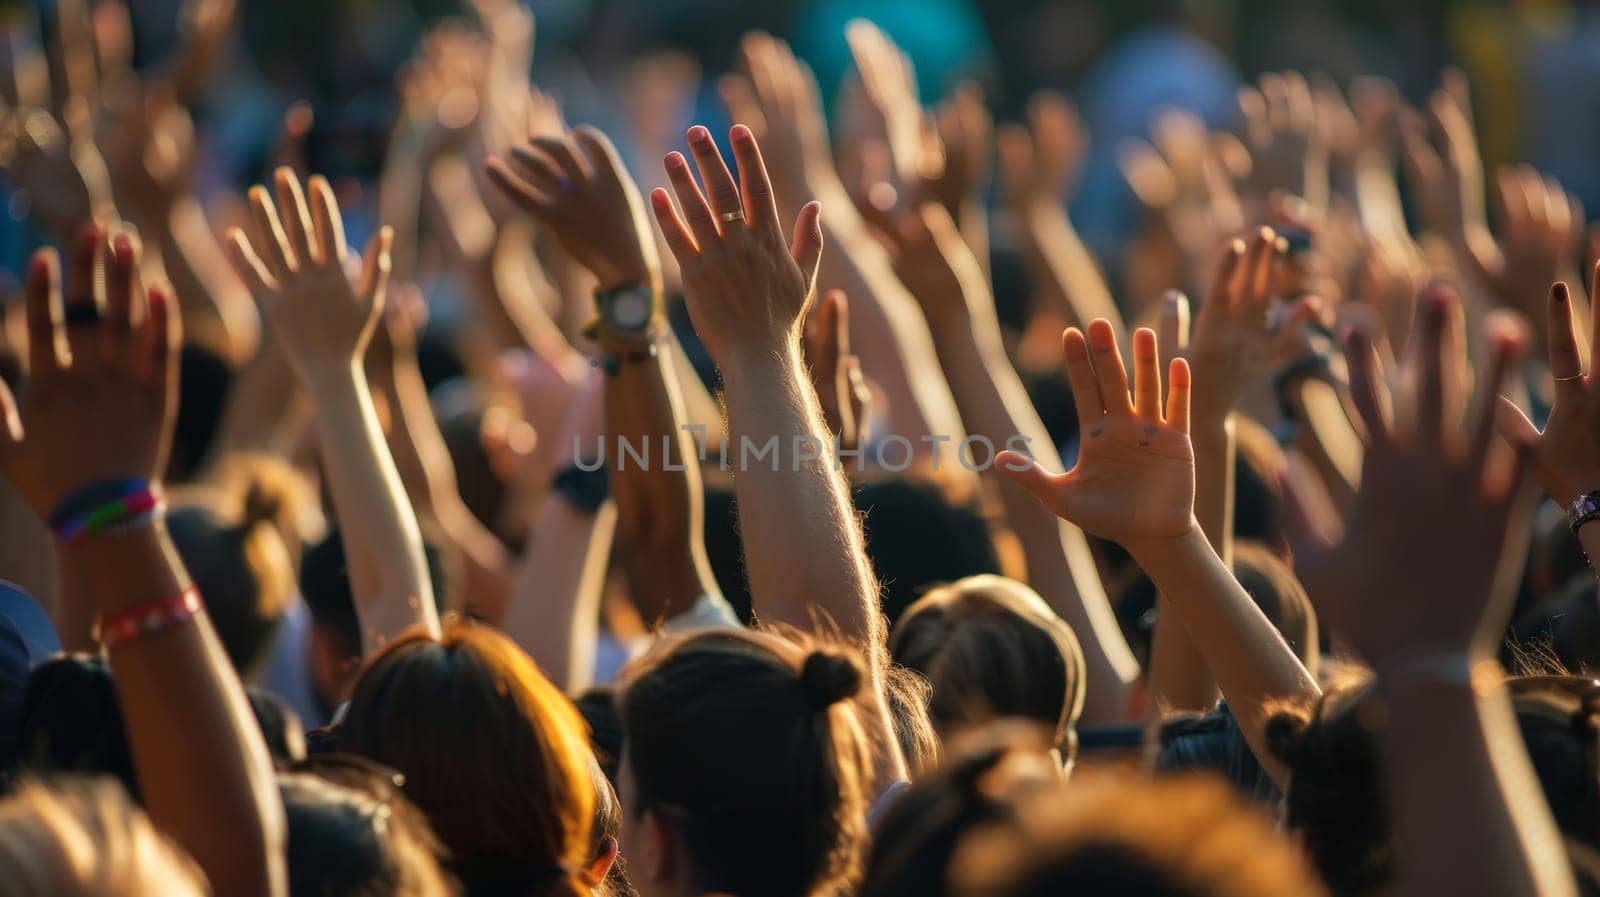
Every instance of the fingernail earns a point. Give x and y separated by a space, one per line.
699 134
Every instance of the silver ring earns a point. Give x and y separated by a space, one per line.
1578 376
730 217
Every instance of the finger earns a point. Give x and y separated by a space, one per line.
13 433
573 167
1173 337
806 246
268 238
1507 346
1146 375
760 205
1111 375
539 170
1566 364
1513 425
740 98
83 306
1430 399
1027 473
122 285
692 201
1178 392
840 320
676 233
720 188
1366 394
825 331
296 217
45 313
1223 285
375 266
533 200
1594 295
248 265
160 339
330 246
1263 254
1080 375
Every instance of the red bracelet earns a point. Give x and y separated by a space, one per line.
148 619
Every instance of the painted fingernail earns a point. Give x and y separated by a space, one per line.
699 134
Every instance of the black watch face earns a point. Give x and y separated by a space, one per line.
630 310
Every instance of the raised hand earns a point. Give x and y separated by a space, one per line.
747 292
1039 162
776 97
577 184
294 263
1436 527
1134 480
1566 458
836 376
966 134
1541 226
102 390
1286 144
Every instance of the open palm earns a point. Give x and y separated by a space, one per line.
1134 480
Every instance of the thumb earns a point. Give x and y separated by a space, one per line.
806 246
1026 472
1513 425
375 264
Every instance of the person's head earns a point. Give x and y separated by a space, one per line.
607 865
71 722
1277 591
335 648
743 767
84 838
491 751
1560 721
355 835
913 838
991 648
280 725
1133 837
231 539
27 639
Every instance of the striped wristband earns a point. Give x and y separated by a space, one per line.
115 506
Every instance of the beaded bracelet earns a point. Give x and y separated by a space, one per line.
77 517
148 619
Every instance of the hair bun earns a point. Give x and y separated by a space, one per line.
829 678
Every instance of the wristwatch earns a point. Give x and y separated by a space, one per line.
625 312
1584 508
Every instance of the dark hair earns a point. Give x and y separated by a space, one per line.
71 722
598 704
751 743
1560 721
280 725
991 648
916 537
607 832
1258 498
233 546
325 586
203 380
491 750
917 832
349 841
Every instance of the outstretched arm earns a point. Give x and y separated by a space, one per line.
323 323
942 273
1134 484
597 214
747 293
99 422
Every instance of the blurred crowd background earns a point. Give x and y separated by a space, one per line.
645 69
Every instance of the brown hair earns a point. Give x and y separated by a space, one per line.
751 742
82 837
492 752
1109 834
235 539
1277 591
991 648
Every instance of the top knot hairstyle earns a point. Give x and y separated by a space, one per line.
750 743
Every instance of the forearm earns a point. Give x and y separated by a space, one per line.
1467 810
887 330
803 545
555 608
383 544
1326 436
1179 677
264 409
660 503
1254 667
200 272
994 404
197 750
1067 272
